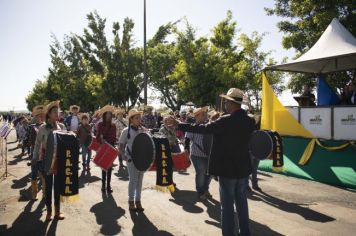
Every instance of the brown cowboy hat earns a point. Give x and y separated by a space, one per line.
38 110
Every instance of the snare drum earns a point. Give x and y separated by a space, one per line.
105 156
180 161
94 145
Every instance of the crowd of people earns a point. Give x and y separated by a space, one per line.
227 160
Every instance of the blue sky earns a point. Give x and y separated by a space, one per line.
26 27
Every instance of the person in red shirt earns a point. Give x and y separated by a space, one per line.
106 133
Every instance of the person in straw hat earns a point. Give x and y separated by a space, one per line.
135 176
72 121
121 123
198 155
106 132
170 133
85 137
46 155
229 159
149 121
36 165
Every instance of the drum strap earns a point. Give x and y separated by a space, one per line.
128 151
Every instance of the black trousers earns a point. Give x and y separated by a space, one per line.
106 177
52 181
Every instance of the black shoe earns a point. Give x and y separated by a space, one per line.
109 189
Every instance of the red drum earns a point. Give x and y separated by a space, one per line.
94 145
105 156
180 162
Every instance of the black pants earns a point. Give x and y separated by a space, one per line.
106 177
52 181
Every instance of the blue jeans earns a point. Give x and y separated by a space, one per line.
86 155
233 193
254 163
202 179
135 182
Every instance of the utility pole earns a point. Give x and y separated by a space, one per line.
144 53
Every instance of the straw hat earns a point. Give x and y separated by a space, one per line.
72 107
148 108
51 105
107 108
133 112
235 95
81 115
119 111
199 110
38 110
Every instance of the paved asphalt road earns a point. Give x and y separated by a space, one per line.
287 206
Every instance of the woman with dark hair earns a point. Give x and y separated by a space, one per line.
106 133
44 150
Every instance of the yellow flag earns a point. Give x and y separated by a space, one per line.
276 117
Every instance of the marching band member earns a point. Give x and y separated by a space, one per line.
72 121
121 123
36 165
170 134
85 135
199 157
106 132
44 150
135 176
148 119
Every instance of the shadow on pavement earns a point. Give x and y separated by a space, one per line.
17 159
28 222
143 226
264 174
291 207
187 199
123 174
21 183
86 178
214 212
107 213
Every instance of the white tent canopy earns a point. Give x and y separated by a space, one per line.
334 51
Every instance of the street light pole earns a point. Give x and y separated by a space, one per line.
144 53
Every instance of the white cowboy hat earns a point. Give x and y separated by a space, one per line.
235 95
72 107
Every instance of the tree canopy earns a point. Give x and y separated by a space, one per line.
90 70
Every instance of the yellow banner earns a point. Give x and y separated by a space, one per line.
276 117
